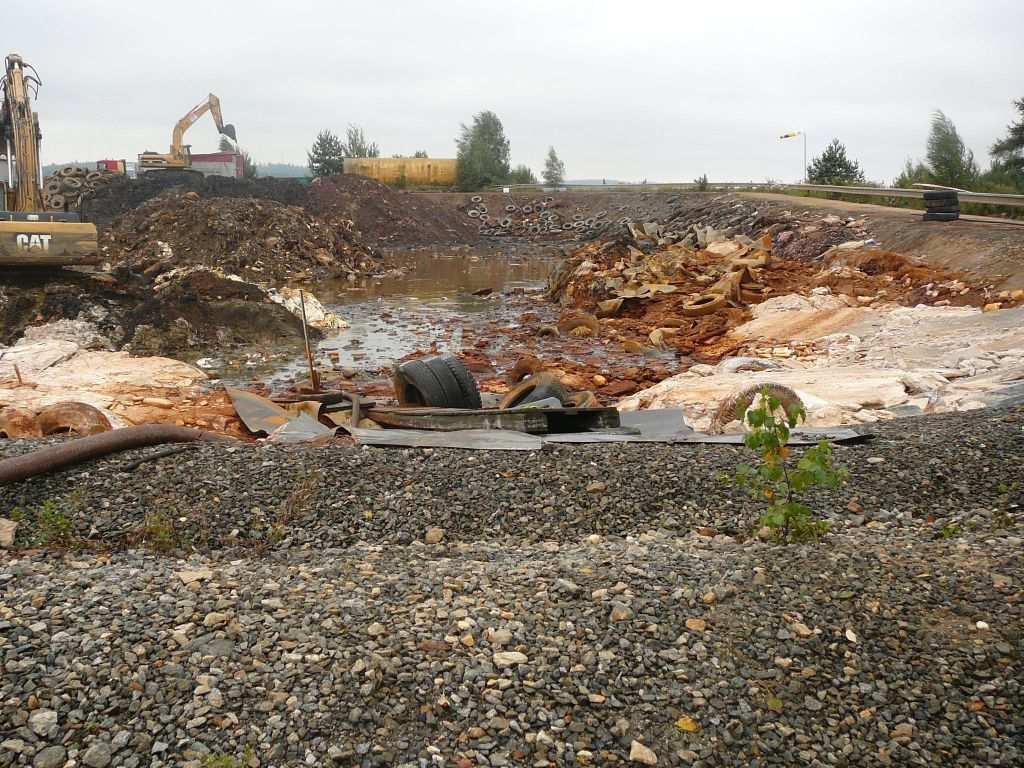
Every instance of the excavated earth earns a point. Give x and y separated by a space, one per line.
259 604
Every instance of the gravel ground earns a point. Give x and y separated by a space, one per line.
547 624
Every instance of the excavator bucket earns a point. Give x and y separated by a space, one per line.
229 131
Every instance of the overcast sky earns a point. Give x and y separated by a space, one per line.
627 90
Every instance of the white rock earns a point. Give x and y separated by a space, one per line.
638 753
509 658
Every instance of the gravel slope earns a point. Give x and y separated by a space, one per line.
551 625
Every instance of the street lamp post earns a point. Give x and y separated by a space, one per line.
793 135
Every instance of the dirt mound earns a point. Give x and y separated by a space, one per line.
260 240
204 310
124 194
382 215
184 311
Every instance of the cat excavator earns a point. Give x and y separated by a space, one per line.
180 158
29 235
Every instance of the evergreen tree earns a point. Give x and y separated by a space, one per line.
554 169
327 155
950 162
483 153
833 167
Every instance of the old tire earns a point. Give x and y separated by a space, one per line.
704 305
941 216
941 194
464 379
433 383
537 387
416 385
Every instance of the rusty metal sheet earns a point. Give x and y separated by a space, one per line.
262 417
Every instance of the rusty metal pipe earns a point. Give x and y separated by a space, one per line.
83 449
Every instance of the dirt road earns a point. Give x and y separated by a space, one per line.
982 247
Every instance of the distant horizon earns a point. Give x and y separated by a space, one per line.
661 105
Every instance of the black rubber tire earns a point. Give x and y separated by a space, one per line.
544 391
941 216
941 202
947 209
421 385
941 194
465 380
537 387
450 386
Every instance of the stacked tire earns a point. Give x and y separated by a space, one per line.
941 205
65 189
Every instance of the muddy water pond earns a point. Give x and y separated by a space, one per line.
429 304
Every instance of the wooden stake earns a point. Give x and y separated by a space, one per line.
314 377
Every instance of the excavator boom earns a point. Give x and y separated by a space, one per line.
178 157
30 236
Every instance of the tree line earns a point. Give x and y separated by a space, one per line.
947 161
482 151
484 158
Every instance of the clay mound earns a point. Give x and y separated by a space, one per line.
382 215
872 261
260 240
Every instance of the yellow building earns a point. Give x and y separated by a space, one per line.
414 171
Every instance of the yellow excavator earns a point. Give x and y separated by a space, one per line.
180 156
29 235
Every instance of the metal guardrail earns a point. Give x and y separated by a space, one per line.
979 198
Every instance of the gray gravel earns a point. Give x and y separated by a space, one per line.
947 469
547 624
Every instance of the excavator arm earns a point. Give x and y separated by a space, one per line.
210 104
21 130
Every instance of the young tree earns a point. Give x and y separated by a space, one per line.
1008 152
483 152
833 167
554 169
913 173
327 155
356 145
522 174
950 162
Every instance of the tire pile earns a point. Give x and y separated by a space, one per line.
65 189
941 205
537 217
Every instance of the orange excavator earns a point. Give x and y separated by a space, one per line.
180 156
29 235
